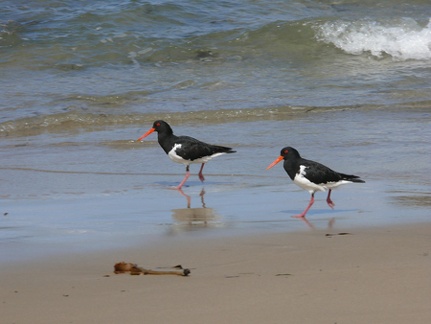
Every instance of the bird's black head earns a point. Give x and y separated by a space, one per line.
289 152
161 126
286 153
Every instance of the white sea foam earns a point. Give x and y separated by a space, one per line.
403 39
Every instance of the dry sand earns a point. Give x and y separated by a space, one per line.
380 275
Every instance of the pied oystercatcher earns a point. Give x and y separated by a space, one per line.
185 149
311 176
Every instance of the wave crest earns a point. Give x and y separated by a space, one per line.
403 40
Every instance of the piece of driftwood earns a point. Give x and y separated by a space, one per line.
134 269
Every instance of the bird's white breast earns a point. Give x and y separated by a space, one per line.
175 157
306 184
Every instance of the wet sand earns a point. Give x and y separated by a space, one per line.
364 275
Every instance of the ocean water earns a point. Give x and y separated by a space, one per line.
345 82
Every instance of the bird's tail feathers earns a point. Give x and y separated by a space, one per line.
352 178
223 149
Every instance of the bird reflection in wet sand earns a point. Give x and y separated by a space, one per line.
192 218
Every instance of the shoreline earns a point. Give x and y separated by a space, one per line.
378 275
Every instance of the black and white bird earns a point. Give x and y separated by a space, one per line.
184 149
312 176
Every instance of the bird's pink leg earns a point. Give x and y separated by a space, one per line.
329 201
185 178
201 176
306 209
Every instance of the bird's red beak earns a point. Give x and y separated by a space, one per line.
275 162
146 134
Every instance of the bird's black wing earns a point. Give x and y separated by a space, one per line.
319 173
192 149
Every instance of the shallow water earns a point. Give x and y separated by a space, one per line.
344 82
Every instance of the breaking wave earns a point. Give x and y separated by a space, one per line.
403 39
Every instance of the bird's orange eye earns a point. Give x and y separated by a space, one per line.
158 124
285 151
